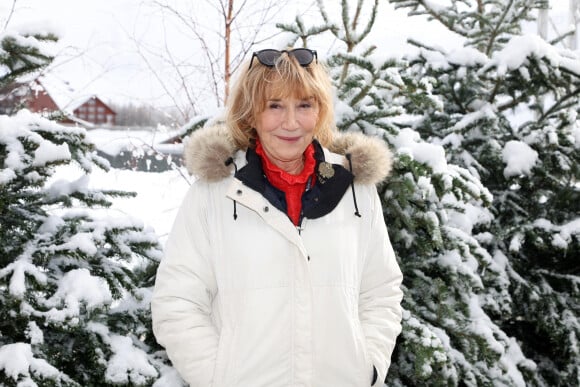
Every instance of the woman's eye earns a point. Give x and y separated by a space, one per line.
274 105
305 104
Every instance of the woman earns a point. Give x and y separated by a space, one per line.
279 270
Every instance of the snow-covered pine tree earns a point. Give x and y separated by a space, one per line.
74 298
433 209
509 114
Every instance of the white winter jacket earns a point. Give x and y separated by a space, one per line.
243 298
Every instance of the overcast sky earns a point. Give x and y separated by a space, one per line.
96 52
99 39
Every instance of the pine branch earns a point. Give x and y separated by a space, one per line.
495 31
555 107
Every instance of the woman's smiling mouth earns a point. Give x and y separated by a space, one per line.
290 139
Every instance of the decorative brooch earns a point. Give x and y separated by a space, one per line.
325 171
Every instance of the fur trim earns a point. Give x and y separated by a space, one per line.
370 156
207 150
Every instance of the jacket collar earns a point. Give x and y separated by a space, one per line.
208 150
332 181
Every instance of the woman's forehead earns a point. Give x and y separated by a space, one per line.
281 91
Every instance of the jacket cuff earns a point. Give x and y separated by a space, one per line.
375 376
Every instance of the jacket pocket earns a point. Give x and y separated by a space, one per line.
366 368
222 375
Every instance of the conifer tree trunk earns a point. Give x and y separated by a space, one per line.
543 17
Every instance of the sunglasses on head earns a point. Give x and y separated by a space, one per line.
268 57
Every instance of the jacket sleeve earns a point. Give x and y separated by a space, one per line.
184 289
380 294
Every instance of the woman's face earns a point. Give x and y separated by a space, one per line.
285 128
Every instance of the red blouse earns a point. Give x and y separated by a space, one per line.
292 185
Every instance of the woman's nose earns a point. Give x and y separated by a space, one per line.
290 121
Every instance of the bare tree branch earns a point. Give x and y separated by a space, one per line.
10 13
223 34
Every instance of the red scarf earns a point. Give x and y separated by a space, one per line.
292 185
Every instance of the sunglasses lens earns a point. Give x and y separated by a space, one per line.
268 57
303 56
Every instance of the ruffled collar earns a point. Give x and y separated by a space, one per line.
293 186
278 176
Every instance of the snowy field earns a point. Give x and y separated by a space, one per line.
158 194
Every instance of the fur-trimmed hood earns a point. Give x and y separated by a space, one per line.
207 150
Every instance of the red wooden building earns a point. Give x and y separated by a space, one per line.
30 95
94 110
38 99
35 97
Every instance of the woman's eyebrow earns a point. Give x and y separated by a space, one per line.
298 99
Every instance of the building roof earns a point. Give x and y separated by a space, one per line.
66 97
75 105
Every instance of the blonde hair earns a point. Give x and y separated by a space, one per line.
255 85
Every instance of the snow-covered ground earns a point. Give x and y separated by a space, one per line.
159 194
